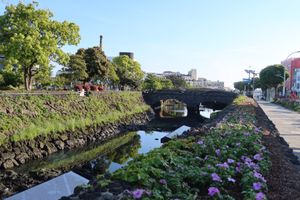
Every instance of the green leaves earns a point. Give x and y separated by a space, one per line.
227 157
128 71
152 82
271 76
29 37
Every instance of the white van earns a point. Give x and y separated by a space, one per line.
257 94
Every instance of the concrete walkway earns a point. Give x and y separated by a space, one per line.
286 121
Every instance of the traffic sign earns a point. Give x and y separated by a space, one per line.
246 80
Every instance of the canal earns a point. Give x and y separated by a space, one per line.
100 158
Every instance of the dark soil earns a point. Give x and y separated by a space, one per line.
284 176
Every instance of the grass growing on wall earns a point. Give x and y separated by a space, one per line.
26 117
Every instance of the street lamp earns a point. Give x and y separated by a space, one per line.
283 87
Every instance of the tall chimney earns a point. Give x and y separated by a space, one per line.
101 41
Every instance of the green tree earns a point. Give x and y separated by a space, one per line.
10 78
166 83
151 82
256 82
177 81
76 69
97 64
31 39
128 71
239 85
271 76
113 78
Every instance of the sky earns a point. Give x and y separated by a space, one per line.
219 38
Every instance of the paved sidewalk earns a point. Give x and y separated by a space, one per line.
286 121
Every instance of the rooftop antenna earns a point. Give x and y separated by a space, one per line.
101 37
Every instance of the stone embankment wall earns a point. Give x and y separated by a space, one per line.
33 127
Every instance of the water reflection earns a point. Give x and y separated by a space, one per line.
97 159
173 108
206 112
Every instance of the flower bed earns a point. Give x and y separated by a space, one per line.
228 162
288 103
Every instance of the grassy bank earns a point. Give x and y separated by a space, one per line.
227 162
28 116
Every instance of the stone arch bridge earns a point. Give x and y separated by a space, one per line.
209 98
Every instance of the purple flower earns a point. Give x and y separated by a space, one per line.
205 158
231 179
224 165
238 144
256 129
247 160
238 169
209 166
246 134
138 193
230 161
260 196
257 186
216 177
257 157
263 148
218 152
259 176
163 181
212 191
200 142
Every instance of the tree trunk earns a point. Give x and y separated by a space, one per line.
25 78
28 78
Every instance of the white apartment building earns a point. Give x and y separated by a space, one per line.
191 79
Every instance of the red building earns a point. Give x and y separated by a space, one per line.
292 84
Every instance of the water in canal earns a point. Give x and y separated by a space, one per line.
110 156
100 158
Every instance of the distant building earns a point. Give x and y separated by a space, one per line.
129 54
193 74
191 79
292 84
170 73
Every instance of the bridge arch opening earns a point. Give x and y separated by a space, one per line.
172 108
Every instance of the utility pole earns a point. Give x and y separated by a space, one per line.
249 72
